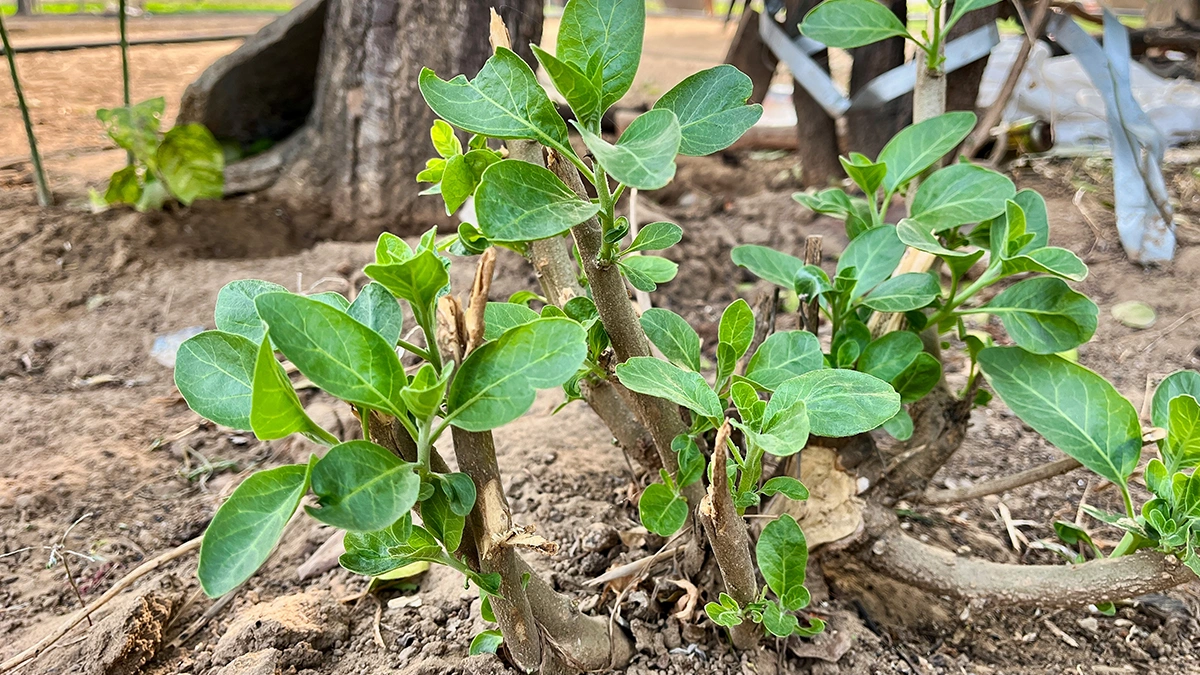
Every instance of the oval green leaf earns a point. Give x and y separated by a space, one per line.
214 371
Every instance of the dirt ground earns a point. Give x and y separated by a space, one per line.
93 432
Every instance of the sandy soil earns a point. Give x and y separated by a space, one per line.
92 430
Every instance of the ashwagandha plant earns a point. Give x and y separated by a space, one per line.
185 164
958 215
478 368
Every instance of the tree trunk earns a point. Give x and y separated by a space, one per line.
24 7
817 130
368 133
332 88
962 86
867 131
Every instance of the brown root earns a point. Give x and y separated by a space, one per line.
939 571
1003 484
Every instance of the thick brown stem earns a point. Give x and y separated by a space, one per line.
556 273
730 541
812 256
583 642
1003 484
624 329
939 571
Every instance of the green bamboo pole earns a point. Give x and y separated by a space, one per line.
43 189
124 66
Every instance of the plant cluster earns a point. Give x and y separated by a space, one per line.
185 163
713 431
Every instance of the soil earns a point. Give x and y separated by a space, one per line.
102 459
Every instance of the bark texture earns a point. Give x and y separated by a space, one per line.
367 134
867 131
816 129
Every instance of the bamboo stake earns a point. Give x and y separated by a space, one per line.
39 175
124 66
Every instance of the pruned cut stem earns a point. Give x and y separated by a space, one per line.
730 541
1003 484
939 571
44 197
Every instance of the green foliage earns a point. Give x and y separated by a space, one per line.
673 336
1072 407
185 163
363 487
496 383
851 23
644 155
518 201
215 373
711 109
248 525
655 377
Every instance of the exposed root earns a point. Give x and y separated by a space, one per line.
939 571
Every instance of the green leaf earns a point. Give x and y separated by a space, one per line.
246 527
920 236
391 249
889 355
423 395
124 187
236 313
420 280
644 156
363 487
778 622
608 34
831 201
332 298
486 642
340 355
444 140
725 613
655 377
655 237
904 292
662 510
843 402
441 518
1037 220
1044 315
691 460
900 427
154 195
960 194
783 356
374 554
1179 383
497 382
192 163
737 327
711 107
778 268
214 371
462 175
919 146
135 128
866 174
580 92
645 272
673 336
1182 447
376 308
1075 409
459 490
1048 260
782 554
275 410
785 423
499 317
519 201
503 101
875 254
961 7
918 379
846 24
787 486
